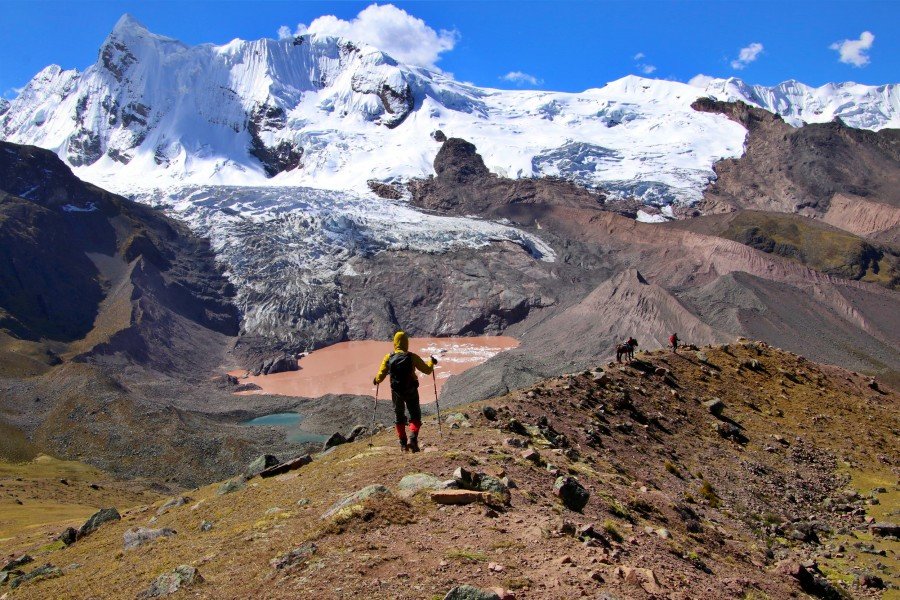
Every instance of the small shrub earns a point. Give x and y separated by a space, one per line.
671 468
617 509
610 528
464 554
708 493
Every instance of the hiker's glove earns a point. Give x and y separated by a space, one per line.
434 361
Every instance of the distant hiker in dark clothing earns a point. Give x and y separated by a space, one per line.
402 365
673 341
626 350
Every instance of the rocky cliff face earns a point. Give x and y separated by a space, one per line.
800 170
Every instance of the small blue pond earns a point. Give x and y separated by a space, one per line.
291 422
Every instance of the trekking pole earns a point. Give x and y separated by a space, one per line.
438 404
374 410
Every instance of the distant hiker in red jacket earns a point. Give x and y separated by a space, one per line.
402 365
673 341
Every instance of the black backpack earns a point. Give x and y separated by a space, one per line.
403 376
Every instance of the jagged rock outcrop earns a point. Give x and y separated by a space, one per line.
463 185
789 169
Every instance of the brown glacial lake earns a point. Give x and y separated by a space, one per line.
349 367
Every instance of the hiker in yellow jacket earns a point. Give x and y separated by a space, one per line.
402 365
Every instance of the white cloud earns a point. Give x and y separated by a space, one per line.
747 55
388 28
519 78
700 80
854 52
645 68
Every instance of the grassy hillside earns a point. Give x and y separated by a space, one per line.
688 497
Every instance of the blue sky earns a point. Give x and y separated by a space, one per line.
569 46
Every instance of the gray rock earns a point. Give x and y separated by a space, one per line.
701 356
295 558
357 432
231 486
139 536
47 571
206 526
572 493
493 485
467 592
416 482
885 529
172 503
17 562
168 583
357 498
465 478
336 439
290 465
104 515
262 463
714 406
68 536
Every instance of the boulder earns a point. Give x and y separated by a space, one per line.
336 439
357 432
457 496
17 562
172 503
885 529
290 465
295 558
489 413
231 486
47 571
141 535
467 592
359 497
68 536
416 482
104 515
573 495
715 406
261 464
168 583
495 486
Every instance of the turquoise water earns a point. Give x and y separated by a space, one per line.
291 422
279 419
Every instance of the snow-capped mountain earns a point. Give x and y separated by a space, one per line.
330 113
860 106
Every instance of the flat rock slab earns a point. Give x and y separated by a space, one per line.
290 465
457 496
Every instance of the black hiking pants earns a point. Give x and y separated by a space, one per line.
407 401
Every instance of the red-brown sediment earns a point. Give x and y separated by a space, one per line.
349 367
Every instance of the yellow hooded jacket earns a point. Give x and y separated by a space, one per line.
401 344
